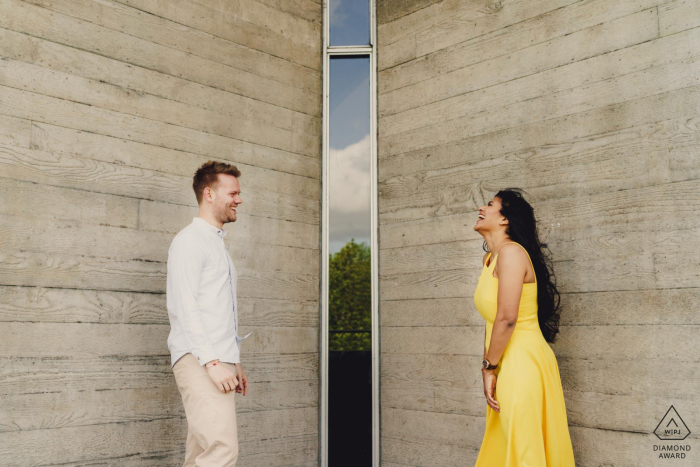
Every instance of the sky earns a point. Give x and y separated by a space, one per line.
349 161
349 22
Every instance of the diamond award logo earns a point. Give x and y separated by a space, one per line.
671 427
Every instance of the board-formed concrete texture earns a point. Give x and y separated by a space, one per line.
593 107
106 110
107 107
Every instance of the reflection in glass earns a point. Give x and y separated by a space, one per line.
349 22
350 267
349 157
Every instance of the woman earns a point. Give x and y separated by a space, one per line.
526 423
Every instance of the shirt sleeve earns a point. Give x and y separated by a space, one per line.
239 339
185 264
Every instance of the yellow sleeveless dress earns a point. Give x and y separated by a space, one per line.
531 429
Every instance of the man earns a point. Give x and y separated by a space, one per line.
204 343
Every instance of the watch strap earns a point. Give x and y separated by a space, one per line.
487 365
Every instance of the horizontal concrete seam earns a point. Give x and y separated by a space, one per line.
313 158
524 48
158 71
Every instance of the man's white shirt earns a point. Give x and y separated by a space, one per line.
201 296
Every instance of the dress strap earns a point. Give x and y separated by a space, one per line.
528 257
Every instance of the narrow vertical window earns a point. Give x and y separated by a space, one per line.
349 429
350 265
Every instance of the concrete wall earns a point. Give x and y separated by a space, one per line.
106 110
593 106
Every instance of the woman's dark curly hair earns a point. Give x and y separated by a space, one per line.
522 228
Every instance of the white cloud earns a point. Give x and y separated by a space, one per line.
349 184
337 18
350 177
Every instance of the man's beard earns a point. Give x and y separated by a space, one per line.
231 215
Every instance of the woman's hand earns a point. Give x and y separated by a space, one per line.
489 388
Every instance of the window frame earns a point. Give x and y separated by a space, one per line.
328 52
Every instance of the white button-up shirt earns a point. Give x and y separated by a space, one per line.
201 296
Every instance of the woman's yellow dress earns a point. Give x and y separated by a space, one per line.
531 429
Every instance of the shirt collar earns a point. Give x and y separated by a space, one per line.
208 227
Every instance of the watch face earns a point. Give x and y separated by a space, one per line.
485 363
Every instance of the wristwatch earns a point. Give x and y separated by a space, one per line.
487 365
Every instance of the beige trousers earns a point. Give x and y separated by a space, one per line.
212 430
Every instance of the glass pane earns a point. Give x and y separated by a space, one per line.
349 286
349 22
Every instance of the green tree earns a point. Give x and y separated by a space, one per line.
350 297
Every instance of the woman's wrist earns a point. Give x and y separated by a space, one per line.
488 364
212 363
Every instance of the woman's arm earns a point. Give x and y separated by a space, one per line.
483 263
512 268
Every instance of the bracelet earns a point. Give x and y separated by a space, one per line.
213 364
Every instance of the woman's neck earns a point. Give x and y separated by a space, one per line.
496 244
